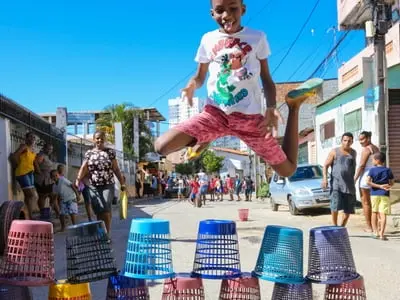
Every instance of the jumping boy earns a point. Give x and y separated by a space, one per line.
380 179
67 196
236 58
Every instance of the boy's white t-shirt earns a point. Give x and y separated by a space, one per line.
234 71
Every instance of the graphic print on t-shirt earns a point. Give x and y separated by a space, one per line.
231 54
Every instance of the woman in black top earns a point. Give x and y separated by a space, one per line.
100 164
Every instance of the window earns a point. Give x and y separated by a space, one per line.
353 121
307 172
327 130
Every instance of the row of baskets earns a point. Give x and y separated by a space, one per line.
29 255
185 287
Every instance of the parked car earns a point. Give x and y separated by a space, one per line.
300 191
171 190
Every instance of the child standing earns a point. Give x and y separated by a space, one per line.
380 179
236 58
67 196
194 195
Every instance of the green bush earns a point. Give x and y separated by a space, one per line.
263 190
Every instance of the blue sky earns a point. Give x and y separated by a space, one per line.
88 54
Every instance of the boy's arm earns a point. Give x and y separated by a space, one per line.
272 115
195 82
75 190
370 182
268 84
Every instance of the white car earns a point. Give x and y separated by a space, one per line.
300 191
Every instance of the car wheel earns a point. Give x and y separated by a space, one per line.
292 208
274 206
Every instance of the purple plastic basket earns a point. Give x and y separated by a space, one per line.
330 259
292 291
11 292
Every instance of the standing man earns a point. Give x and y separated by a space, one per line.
342 161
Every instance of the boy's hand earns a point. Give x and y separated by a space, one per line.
270 123
188 93
385 187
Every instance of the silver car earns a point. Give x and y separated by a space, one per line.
300 191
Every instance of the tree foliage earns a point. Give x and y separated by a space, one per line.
185 168
125 113
211 162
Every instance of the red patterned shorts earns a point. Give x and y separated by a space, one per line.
213 123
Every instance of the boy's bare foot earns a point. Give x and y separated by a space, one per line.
307 89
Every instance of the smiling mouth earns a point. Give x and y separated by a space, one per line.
228 26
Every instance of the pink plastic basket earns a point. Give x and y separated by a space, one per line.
183 287
29 254
350 290
243 214
245 287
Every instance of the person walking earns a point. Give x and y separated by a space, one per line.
342 161
366 163
101 165
24 160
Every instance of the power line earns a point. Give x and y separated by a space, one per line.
297 37
325 60
312 53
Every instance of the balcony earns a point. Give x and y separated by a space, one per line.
352 14
353 71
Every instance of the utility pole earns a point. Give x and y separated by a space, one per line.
381 18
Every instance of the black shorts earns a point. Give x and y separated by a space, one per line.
44 188
343 201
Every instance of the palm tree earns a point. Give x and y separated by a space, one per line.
125 113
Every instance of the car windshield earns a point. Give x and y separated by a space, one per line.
307 172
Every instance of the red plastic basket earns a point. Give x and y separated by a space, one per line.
243 214
183 288
29 254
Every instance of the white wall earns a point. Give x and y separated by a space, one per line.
229 168
5 178
369 122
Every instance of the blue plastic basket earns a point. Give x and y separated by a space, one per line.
148 254
330 259
217 250
281 255
292 291
125 288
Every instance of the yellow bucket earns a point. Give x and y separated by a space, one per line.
66 291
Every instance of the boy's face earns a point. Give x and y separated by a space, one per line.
54 176
228 14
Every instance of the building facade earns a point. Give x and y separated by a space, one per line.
355 107
179 110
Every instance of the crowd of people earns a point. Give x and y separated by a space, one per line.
197 188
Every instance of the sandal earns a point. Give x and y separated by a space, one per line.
305 90
383 238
